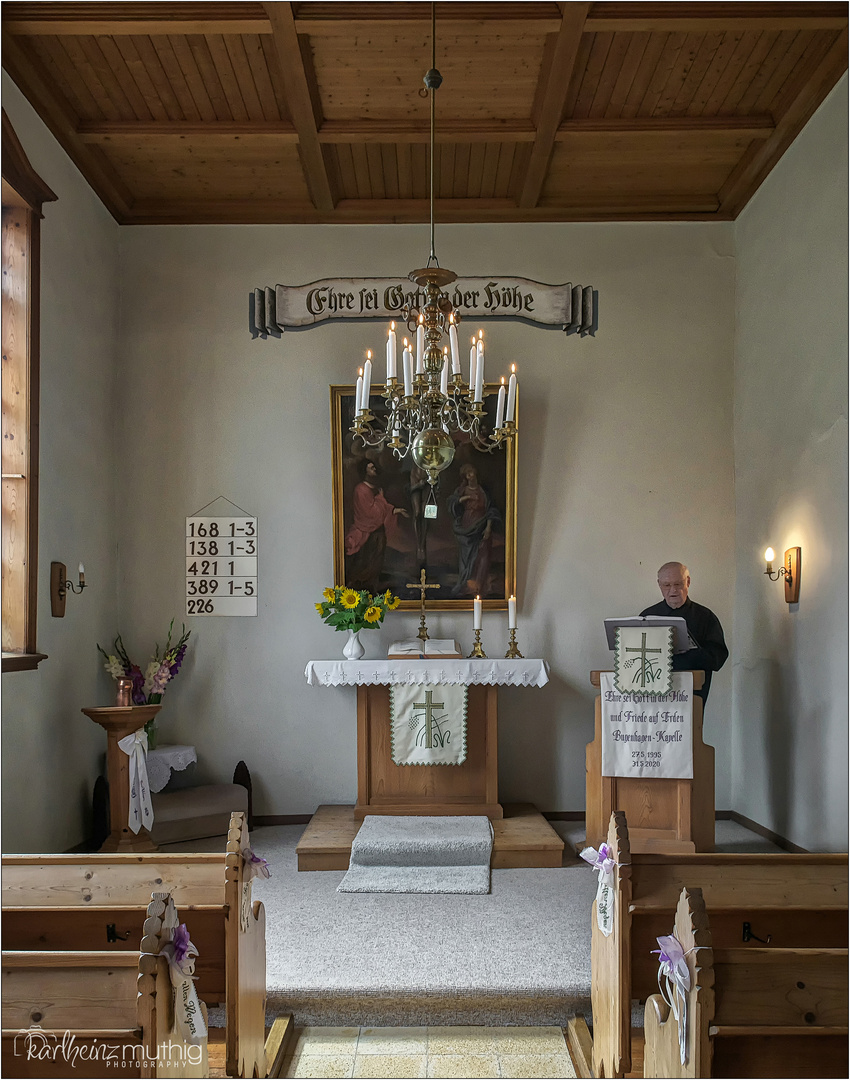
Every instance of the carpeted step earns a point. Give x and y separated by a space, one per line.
423 841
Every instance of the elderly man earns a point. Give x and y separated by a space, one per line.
703 625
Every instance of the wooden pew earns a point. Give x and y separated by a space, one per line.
95 1013
765 1012
797 901
56 902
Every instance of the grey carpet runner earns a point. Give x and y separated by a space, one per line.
420 855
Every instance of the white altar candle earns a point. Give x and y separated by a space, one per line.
500 406
444 377
367 382
476 613
391 353
479 371
358 394
420 348
512 394
407 362
512 613
455 349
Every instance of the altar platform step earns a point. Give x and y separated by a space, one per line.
523 838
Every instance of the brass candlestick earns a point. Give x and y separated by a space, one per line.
513 652
477 650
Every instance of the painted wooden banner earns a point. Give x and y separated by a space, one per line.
569 306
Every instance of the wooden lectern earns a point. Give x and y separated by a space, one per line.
664 816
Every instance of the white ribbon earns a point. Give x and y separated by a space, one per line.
603 864
676 985
189 1021
140 810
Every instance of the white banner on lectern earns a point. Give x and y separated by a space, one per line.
648 735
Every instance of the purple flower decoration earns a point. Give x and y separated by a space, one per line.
182 943
600 860
255 864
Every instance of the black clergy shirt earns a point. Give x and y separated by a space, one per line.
705 629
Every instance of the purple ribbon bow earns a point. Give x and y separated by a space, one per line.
600 860
181 951
255 865
677 983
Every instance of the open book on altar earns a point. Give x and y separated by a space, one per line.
417 649
682 640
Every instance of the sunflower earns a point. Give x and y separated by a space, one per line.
372 615
349 599
393 604
329 595
320 608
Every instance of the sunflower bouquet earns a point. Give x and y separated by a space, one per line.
351 609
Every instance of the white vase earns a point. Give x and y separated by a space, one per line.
354 646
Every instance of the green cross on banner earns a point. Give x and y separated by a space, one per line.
428 705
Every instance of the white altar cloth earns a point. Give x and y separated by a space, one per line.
418 672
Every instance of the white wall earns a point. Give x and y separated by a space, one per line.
625 461
790 663
51 751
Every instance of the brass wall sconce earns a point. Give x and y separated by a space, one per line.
59 586
790 570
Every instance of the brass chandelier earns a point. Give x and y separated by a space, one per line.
431 399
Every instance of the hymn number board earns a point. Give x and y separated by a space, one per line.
221 566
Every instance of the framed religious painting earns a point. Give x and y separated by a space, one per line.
385 528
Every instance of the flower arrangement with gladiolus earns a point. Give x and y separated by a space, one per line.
148 685
355 609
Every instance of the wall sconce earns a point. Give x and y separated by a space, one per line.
59 586
790 571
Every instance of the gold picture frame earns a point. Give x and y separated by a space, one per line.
453 543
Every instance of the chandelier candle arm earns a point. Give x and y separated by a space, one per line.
511 412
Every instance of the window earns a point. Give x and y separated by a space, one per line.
24 193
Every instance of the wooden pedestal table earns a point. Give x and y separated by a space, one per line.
665 816
118 721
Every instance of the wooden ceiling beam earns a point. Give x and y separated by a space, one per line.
301 100
36 84
114 19
411 131
705 17
552 101
760 158
696 207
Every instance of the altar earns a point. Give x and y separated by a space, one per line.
469 787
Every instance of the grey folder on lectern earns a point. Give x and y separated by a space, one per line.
682 641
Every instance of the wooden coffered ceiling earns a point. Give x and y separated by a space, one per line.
311 112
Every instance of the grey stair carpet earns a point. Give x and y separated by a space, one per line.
420 855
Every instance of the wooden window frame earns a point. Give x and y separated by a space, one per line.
23 195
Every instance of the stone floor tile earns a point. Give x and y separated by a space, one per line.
320 1066
467 1066
326 1040
529 1040
392 1066
392 1040
460 1040
553 1066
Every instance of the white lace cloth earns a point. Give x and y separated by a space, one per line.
418 672
164 759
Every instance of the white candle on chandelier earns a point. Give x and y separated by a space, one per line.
444 374
479 368
367 380
358 393
512 613
511 413
476 613
500 405
407 363
391 352
473 359
420 347
455 346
